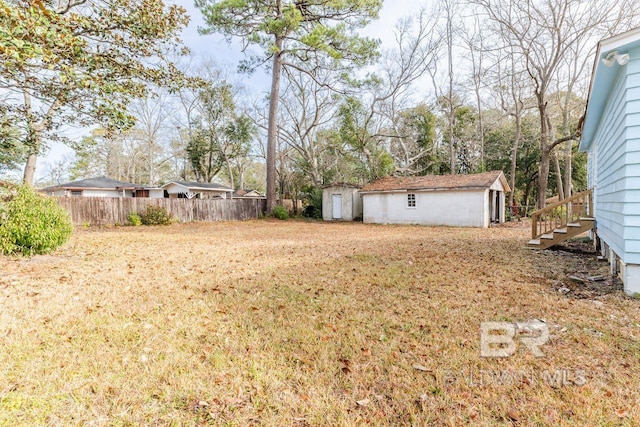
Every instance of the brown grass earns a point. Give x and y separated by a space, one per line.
306 323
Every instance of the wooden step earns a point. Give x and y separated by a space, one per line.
553 215
559 235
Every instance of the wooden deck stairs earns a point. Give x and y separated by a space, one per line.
561 221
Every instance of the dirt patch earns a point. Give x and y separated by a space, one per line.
582 274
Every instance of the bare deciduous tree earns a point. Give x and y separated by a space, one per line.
545 33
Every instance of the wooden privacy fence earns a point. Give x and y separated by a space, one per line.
116 210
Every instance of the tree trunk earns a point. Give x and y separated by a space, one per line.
33 141
543 176
545 152
272 133
30 169
556 164
230 169
452 110
241 177
481 136
514 158
452 149
316 177
568 169
151 163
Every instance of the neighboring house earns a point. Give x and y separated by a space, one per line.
151 192
611 138
450 200
247 193
341 202
102 187
197 190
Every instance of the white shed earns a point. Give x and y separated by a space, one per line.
341 202
451 200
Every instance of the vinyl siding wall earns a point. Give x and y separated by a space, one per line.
614 165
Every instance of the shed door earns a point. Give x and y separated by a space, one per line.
494 206
336 202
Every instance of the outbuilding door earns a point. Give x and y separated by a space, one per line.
336 202
495 206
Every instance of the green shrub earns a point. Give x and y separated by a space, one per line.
313 202
280 212
31 223
134 219
156 215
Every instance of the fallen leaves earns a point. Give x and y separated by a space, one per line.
514 415
345 365
299 320
363 402
622 413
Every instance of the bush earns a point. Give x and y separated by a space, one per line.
313 201
280 212
31 223
134 219
156 215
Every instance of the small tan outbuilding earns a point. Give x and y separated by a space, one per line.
341 202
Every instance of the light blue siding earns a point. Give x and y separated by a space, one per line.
611 138
614 164
632 193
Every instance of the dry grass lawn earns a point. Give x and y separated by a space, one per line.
307 323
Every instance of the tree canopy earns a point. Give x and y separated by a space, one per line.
302 34
503 87
82 61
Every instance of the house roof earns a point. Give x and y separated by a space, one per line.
438 182
603 79
199 186
96 183
247 193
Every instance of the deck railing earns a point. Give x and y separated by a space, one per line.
559 214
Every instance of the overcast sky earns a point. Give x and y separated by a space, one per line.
224 54
216 46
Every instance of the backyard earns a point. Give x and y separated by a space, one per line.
301 323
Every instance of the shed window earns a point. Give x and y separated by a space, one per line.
411 200
76 193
